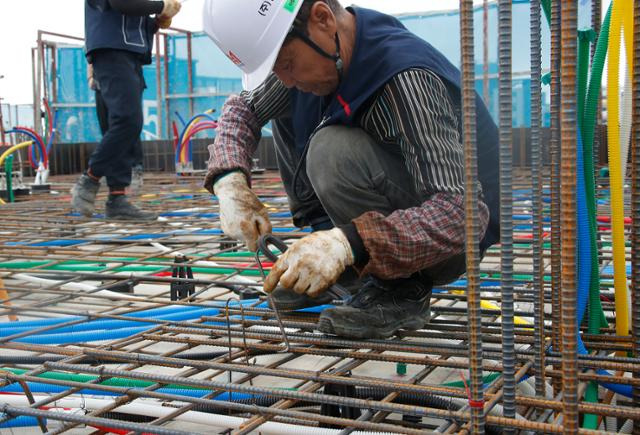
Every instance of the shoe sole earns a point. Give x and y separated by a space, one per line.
129 218
412 323
287 306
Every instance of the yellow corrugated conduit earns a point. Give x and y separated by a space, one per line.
615 163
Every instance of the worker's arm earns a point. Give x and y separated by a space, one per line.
240 125
415 109
140 8
137 7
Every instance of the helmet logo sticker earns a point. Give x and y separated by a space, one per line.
290 5
235 59
264 7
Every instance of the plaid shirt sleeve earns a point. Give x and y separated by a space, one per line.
413 239
240 125
415 113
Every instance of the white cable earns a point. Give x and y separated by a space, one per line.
611 423
627 427
155 409
530 389
626 121
76 286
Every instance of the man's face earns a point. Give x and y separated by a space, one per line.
300 66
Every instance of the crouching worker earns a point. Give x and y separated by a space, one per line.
367 129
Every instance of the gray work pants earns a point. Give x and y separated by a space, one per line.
349 173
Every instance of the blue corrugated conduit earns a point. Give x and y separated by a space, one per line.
584 265
103 329
44 388
21 421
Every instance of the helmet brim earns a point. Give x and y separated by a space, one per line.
252 80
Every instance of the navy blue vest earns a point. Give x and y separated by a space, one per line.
384 48
106 28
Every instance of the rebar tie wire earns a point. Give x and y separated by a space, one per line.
263 246
245 346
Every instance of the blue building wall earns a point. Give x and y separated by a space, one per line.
215 77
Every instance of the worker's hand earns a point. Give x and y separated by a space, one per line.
93 84
312 264
242 215
163 23
170 9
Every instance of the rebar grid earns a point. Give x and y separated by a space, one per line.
95 362
42 240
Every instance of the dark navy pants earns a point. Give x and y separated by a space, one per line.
119 75
103 120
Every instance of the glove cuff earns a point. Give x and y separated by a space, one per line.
338 235
234 180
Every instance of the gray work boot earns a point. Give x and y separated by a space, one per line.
380 309
118 207
83 195
286 299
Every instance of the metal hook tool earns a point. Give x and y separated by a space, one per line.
263 246
336 291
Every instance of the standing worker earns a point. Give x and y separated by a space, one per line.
119 40
367 130
103 121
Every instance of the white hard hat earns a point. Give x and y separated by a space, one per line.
250 33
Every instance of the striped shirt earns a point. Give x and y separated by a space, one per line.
414 113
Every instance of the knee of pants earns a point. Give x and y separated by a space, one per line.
130 121
335 152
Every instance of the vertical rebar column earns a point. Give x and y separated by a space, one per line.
37 98
506 209
472 227
596 19
190 73
556 263
569 15
635 206
485 51
159 89
536 196
167 101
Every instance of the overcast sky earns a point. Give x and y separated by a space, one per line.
21 19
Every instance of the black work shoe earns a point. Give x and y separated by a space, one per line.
380 309
83 195
286 299
119 208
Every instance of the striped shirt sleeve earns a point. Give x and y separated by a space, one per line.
240 125
414 112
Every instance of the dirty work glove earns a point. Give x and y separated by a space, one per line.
312 264
170 9
163 23
242 215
